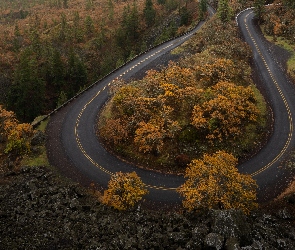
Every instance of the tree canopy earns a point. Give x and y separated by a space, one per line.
214 182
124 191
16 136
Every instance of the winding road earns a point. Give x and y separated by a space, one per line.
75 140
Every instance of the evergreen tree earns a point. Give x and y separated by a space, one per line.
78 32
202 9
89 26
57 69
289 3
130 23
26 95
184 16
17 39
76 74
36 43
224 11
111 10
62 32
65 3
149 13
259 8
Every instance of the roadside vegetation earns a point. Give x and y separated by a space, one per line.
52 49
204 103
278 24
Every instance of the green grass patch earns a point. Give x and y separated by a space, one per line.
38 158
38 155
287 45
262 107
42 126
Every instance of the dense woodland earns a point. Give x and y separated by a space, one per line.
52 49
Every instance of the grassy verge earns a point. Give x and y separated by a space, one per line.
287 45
38 156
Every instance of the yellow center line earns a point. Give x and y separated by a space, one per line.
284 100
81 113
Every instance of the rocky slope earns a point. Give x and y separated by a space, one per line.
40 210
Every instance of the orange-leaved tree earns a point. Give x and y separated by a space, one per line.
215 183
15 135
227 112
124 190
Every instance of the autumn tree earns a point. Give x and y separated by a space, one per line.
214 182
124 191
210 73
115 131
226 112
15 135
7 122
150 136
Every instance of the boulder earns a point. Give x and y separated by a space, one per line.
214 241
231 224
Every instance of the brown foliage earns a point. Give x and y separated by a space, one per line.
209 90
15 135
227 112
214 182
124 191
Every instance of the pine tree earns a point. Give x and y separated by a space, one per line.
26 95
202 9
89 26
76 73
57 70
224 11
259 8
149 13
17 39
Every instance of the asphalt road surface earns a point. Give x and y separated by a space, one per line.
266 166
76 140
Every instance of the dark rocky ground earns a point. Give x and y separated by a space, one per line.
41 210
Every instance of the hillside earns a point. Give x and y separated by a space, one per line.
50 50
41 209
